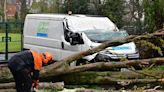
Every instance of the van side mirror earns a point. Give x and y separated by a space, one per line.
75 38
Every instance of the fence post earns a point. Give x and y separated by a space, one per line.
6 40
21 23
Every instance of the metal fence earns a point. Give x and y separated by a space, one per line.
11 34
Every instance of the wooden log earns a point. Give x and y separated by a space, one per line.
92 77
7 90
118 79
42 85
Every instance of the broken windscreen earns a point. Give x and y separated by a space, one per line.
101 35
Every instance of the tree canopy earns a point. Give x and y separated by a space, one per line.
142 15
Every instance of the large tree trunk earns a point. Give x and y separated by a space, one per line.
5 75
118 79
61 65
101 66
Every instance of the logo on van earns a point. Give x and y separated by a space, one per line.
42 29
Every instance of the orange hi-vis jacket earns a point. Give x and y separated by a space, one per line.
37 60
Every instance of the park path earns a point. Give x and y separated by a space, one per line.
2 56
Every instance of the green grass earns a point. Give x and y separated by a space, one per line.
159 67
14 45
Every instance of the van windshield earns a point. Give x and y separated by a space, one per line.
101 36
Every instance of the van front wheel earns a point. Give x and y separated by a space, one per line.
81 62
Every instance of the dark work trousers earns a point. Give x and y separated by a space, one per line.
23 80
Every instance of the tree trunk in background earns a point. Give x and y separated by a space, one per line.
23 9
2 8
158 15
154 14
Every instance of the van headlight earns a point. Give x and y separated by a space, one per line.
105 52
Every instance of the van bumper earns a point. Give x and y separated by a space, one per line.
100 56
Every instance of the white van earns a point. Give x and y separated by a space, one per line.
64 35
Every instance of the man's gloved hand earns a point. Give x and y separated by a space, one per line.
35 84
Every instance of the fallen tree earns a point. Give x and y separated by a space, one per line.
5 75
119 79
101 66
64 63
62 67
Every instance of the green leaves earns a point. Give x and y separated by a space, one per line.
76 6
154 13
114 9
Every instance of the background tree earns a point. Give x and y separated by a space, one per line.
159 13
24 9
154 15
114 9
44 6
95 7
35 7
2 9
76 6
143 15
135 10
55 6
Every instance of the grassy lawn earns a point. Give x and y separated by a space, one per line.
13 45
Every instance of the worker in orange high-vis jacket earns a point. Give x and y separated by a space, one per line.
25 67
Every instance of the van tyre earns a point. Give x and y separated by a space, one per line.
81 62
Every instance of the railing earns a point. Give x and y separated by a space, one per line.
11 35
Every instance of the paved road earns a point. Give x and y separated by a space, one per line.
2 56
